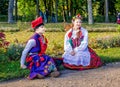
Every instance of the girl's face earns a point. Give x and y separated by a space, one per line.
41 29
77 23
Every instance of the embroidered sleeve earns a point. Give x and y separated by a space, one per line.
67 45
84 43
31 43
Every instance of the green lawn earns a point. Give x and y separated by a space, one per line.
11 70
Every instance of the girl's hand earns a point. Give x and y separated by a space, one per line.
23 66
72 53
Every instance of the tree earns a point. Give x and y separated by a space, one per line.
27 10
56 6
117 5
90 16
10 11
106 11
16 10
37 8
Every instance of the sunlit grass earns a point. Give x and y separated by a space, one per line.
109 55
10 70
55 39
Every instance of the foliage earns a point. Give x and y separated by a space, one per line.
9 29
99 18
3 46
14 51
3 42
3 18
23 25
56 48
56 40
3 7
3 57
117 5
118 28
27 9
105 42
57 27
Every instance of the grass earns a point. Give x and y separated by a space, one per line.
109 55
11 70
58 26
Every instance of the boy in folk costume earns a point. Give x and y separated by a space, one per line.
77 54
39 64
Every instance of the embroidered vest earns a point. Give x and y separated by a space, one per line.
41 44
75 42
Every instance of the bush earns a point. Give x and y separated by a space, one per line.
99 18
14 51
3 46
23 25
3 57
105 42
3 42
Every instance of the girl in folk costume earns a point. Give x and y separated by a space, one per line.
39 64
77 54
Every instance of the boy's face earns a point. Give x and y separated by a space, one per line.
41 29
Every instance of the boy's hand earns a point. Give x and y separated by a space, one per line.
23 66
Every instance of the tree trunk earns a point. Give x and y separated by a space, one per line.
10 11
64 20
90 16
67 11
71 8
106 11
37 8
16 11
56 9
45 4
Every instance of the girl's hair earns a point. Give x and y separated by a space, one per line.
68 26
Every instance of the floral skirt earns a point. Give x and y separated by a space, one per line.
94 62
40 64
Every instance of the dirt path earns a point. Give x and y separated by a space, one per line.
105 76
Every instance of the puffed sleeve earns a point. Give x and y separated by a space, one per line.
84 43
67 45
31 43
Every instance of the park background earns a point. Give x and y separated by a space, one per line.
99 18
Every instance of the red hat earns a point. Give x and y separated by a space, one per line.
37 22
